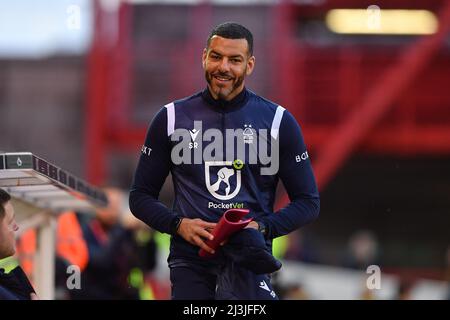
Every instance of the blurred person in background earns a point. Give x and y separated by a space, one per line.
362 251
15 284
113 254
225 104
146 248
300 247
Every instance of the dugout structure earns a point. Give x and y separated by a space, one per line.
40 191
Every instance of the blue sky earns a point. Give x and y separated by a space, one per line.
38 28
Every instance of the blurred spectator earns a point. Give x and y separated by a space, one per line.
106 274
362 250
146 248
301 248
15 284
117 261
129 251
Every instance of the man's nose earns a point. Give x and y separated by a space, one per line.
224 65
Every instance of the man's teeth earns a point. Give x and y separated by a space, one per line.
223 79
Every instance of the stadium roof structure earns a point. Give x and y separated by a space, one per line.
39 183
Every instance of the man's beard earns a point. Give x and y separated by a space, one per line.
221 94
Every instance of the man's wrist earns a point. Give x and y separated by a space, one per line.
262 227
175 225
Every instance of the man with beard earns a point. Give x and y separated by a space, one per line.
203 189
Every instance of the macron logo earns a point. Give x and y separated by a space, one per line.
263 285
194 132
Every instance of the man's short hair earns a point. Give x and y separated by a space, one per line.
4 198
232 30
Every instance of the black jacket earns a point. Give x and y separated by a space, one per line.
15 285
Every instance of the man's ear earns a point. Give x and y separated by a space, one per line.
250 65
205 52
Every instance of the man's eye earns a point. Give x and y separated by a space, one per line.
215 57
235 60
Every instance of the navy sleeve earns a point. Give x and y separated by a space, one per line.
151 173
295 171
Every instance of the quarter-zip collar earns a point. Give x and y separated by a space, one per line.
224 106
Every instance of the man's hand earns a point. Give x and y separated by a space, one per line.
195 231
253 224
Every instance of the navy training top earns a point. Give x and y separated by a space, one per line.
211 172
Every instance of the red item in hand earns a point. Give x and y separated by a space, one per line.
230 222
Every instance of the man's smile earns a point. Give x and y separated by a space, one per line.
222 78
